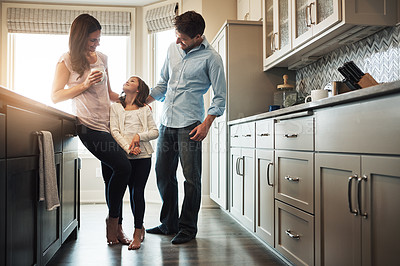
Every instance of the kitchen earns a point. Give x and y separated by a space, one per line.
339 140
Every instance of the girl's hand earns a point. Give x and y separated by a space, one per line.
135 151
135 142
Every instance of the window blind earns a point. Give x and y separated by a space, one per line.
56 21
161 18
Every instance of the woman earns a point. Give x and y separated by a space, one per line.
132 126
91 98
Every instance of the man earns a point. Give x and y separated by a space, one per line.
191 67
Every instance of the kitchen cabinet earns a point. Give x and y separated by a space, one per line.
356 209
248 93
265 200
218 162
265 197
277 29
242 176
249 10
319 26
311 17
30 234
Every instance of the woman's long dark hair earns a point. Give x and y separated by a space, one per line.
81 27
141 97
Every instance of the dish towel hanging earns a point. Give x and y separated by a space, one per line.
48 190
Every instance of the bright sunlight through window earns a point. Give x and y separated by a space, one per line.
36 56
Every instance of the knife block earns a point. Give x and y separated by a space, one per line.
367 81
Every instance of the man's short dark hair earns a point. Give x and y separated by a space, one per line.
190 23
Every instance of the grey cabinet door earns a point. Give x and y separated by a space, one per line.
236 202
69 195
337 231
248 211
380 201
265 214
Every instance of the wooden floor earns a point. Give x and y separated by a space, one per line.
220 241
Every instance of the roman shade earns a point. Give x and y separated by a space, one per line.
161 18
57 21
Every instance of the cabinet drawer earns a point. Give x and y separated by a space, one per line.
21 128
243 135
295 134
294 179
2 136
265 134
371 126
70 139
294 234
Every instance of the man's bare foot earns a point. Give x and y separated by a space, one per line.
137 239
122 238
111 230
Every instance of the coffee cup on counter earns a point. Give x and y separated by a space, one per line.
316 95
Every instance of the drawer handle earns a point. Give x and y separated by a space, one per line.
289 233
290 135
70 135
268 182
292 179
359 180
235 136
355 212
247 135
263 134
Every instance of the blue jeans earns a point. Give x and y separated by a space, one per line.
175 144
103 146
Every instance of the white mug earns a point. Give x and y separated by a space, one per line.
316 95
103 72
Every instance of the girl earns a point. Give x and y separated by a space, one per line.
132 126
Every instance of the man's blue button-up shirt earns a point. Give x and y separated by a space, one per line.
185 78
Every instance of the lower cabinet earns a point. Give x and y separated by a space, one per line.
265 202
243 186
22 237
70 195
49 223
357 214
2 212
294 234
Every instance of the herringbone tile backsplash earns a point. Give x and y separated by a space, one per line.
378 55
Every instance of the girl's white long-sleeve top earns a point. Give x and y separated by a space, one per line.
148 131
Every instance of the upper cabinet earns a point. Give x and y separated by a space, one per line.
298 32
277 29
249 9
312 17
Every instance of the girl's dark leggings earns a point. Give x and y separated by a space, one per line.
115 165
137 182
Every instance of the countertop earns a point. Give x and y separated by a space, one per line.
352 96
10 97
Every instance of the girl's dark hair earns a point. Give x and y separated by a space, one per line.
190 23
81 27
141 97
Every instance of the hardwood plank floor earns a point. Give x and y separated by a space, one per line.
220 241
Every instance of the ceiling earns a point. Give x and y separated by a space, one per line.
91 2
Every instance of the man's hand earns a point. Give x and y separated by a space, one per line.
200 132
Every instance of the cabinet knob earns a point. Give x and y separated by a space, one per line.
292 179
290 135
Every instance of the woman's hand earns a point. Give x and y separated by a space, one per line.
94 77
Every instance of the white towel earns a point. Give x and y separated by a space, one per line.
48 190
